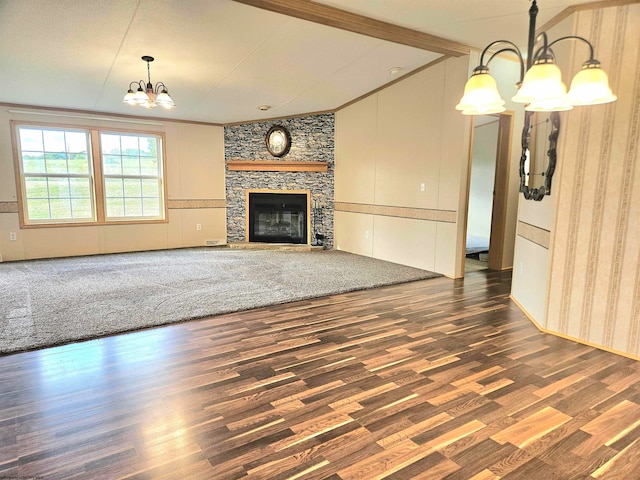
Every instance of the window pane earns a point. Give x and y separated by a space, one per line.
150 188
76 142
115 207
81 208
133 207
129 145
130 165
58 188
33 162
80 188
36 187
60 208
149 166
54 141
31 140
113 187
110 144
151 207
112 164
78 163
132 187
38 209
148 147
56 162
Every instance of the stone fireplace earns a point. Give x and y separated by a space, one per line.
307 169
278 216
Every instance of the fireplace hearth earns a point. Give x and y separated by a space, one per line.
278 217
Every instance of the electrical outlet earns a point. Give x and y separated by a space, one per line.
422 187
366 234
198 226
12 236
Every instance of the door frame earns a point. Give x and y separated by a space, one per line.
500 191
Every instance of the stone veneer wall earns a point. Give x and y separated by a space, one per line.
312 139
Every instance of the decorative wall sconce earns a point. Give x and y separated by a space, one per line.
147 96
541 90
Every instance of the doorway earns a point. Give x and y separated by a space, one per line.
488 192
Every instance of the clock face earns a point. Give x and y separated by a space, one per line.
278 141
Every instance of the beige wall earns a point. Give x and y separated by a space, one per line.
535 218
405 135
506 71
483 169
387 146
594 289
195 184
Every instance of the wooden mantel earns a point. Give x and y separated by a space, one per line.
276 166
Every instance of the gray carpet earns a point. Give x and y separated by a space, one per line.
51 302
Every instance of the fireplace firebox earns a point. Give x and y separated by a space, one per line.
278 217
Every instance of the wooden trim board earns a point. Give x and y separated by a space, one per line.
276 166
352 22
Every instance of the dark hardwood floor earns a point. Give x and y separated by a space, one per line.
432 379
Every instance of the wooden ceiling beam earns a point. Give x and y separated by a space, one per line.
352 22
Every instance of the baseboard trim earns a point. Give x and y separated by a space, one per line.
569 337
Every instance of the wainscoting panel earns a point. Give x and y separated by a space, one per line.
189 204
534 234
448 216
8 207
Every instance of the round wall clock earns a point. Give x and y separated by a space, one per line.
278 141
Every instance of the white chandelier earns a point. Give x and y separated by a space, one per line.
146 95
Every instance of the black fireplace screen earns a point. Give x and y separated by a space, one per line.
278 217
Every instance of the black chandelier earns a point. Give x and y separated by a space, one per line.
540 89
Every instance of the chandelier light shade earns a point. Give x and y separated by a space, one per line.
542 83
590 86
540 88
146 95
481 95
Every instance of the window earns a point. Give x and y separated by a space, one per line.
132 176
63 181
56 172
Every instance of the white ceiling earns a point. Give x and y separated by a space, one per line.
221 59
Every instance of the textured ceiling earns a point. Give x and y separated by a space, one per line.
221 59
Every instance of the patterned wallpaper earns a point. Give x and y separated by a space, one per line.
594 290
312 139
